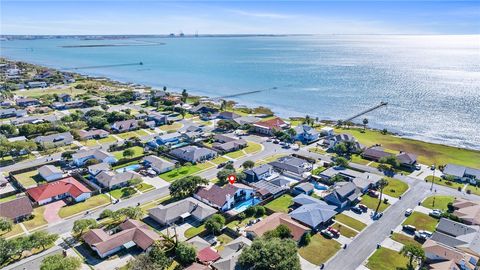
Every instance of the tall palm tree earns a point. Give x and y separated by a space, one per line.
382 183
365 122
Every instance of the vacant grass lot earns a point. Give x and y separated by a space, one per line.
428 153
280 204
138 151
344 230
29 179
404 239
438 202
90 203
421 221
319 250
386 259
350 222
193 231
372 203
37 220
185 171
395 187
37 92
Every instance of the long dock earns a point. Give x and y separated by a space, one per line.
241 94
366 111
107 66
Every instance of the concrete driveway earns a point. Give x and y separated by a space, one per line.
156 181
51 211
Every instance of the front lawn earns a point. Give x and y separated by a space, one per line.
109 139
16 229
122 193
344 230
350 222
359 160
317 150
90 203
137 152
386 259
37 219
235 154
127 135
184 171
421 221
174 127
372 203
193 231
442 182
395 187
404 239
142 133
144 187
252 148
219 160
223 239
280 204
29 179
319 250
438 202
473 189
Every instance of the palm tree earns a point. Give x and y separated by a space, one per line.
291 132
365 122
382 183
223 106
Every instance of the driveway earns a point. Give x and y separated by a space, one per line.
51 211
157 182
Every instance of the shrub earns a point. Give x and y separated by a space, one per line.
260 211
250 211
106 213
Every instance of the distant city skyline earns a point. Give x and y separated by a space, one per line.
232 17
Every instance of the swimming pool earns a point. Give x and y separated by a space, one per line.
128 168
245 204
318 186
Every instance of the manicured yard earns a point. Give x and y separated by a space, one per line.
317 150
319 250
372 203
443 182
395 187
235 154
138 151
350 222
318 170
428 153
386 259
421 221
89 142
474 189
90 203
37 220
441 202
404 239
194 231
223 239
219 159
15 230
109 139
143 187
345 231
280 204
9 198
252 148
142 133
359 160
127 135
175 126
29 179
121 193
184 171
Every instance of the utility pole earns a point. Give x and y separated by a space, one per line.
433 178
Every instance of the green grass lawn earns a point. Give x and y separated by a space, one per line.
372 203
235 154
317 150
29 179
319 250
122 193
318 170
90 203
404 239
441 202
9 198
350 222
386 259
16 229
109 139
345 231
269 159
37 220
280 204
193 231
428 153
144 187
37 92
474 189
219 159
252 148
223 239
359 160
443 182
138 151
142 133
240 223
127 135
184 171
175 126
395 187
89 142
421 221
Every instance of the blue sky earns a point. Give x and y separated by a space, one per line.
239 17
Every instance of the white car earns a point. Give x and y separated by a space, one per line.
436 213
408 212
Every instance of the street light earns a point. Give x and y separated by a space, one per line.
433 178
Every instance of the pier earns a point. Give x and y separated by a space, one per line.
366 111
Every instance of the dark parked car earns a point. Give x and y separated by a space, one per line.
356 209
409 228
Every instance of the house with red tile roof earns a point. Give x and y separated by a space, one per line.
132 233
268 127
65 188
225 198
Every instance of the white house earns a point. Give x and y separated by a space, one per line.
225 198
81 157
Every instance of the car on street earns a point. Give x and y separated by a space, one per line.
436 213
326 233
409 228
408 212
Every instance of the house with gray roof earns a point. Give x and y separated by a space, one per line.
55 140
125 125
230 254
98 168
312 212
303 188
81 156
259 173
246 120
462 173
50 173
158 164
343 194
273 188
225 144
193 154
332 141
112 180
459 236
293 166
181 210
363 180
306 134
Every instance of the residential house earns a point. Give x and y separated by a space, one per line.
158 118
16 210
61 189
81 156
193 154
228 115
376 153
93 134
50 173
55 140
203 109
230 254
35 119
11 112
113 180
25 102
468 211
130 233
169 138
306 134
363 180
268 127
37 84
331 142
327 131
68 105
95 169
292 166
273 221
197 266
224 198
125 125
246 120
181 210
343 194
159 165
408 160
462 173
272 187
312 212
226 144
65 97
259 173
303 188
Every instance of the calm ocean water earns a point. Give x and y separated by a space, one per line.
432 83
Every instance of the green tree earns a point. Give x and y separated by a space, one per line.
5 224
81 225
282 231
158 257
341 162
390 160
42 239
291 132
128 153
381 184
185 253
365 123
413 252
248 164
186 186
7 249
340 148
106 213
132 212
215 223
58 262
184 95
270 254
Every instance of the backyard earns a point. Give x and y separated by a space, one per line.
191 232
438 202
90 203
386 259
280 204
311 252
29 179
421 221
